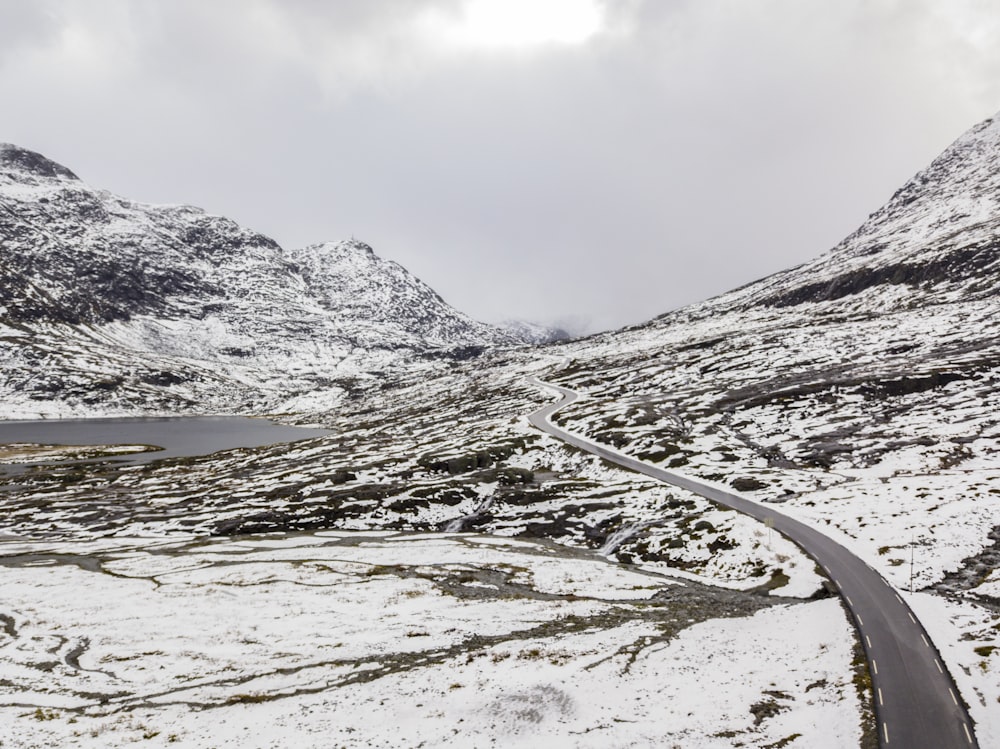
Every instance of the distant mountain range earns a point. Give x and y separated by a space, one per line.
111 305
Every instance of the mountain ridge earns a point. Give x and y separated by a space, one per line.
143 282
941 225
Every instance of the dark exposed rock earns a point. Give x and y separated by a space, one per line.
747 484
33 163
955 267
972 572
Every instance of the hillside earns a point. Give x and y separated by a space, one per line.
108 305
860 391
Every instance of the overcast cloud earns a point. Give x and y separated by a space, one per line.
551 160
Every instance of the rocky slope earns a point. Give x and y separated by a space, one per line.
106 303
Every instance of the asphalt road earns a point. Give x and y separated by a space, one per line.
916 702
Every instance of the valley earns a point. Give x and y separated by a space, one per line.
434 541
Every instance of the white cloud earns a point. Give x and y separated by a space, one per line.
514 24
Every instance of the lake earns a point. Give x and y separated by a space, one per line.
178 437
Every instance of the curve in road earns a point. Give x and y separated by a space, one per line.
916 700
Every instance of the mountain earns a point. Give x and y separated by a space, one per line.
859 392
888 344
110 303
386 304
534 333
935 241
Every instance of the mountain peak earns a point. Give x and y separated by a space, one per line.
350 246
957 191
934 240
31 162
356 244
350 277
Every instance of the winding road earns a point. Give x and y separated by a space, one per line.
916 701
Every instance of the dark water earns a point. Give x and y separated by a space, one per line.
177 437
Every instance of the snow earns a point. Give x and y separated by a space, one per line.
6 331
959 629
313 640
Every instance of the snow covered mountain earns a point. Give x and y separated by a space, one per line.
534 333
882 354
107 301
937 240
391 305
859 391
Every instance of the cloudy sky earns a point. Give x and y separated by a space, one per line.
587 162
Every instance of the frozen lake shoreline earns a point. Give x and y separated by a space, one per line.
164 437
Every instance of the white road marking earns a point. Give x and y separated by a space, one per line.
837 583
924 639
869 641
938 664
849 601
952 696
897 597
885 730
861 621
880 701
911 617
967 734
874 667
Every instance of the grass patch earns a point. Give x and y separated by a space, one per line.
780 743
248 699
863 684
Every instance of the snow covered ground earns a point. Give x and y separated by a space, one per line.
880 431
340 639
